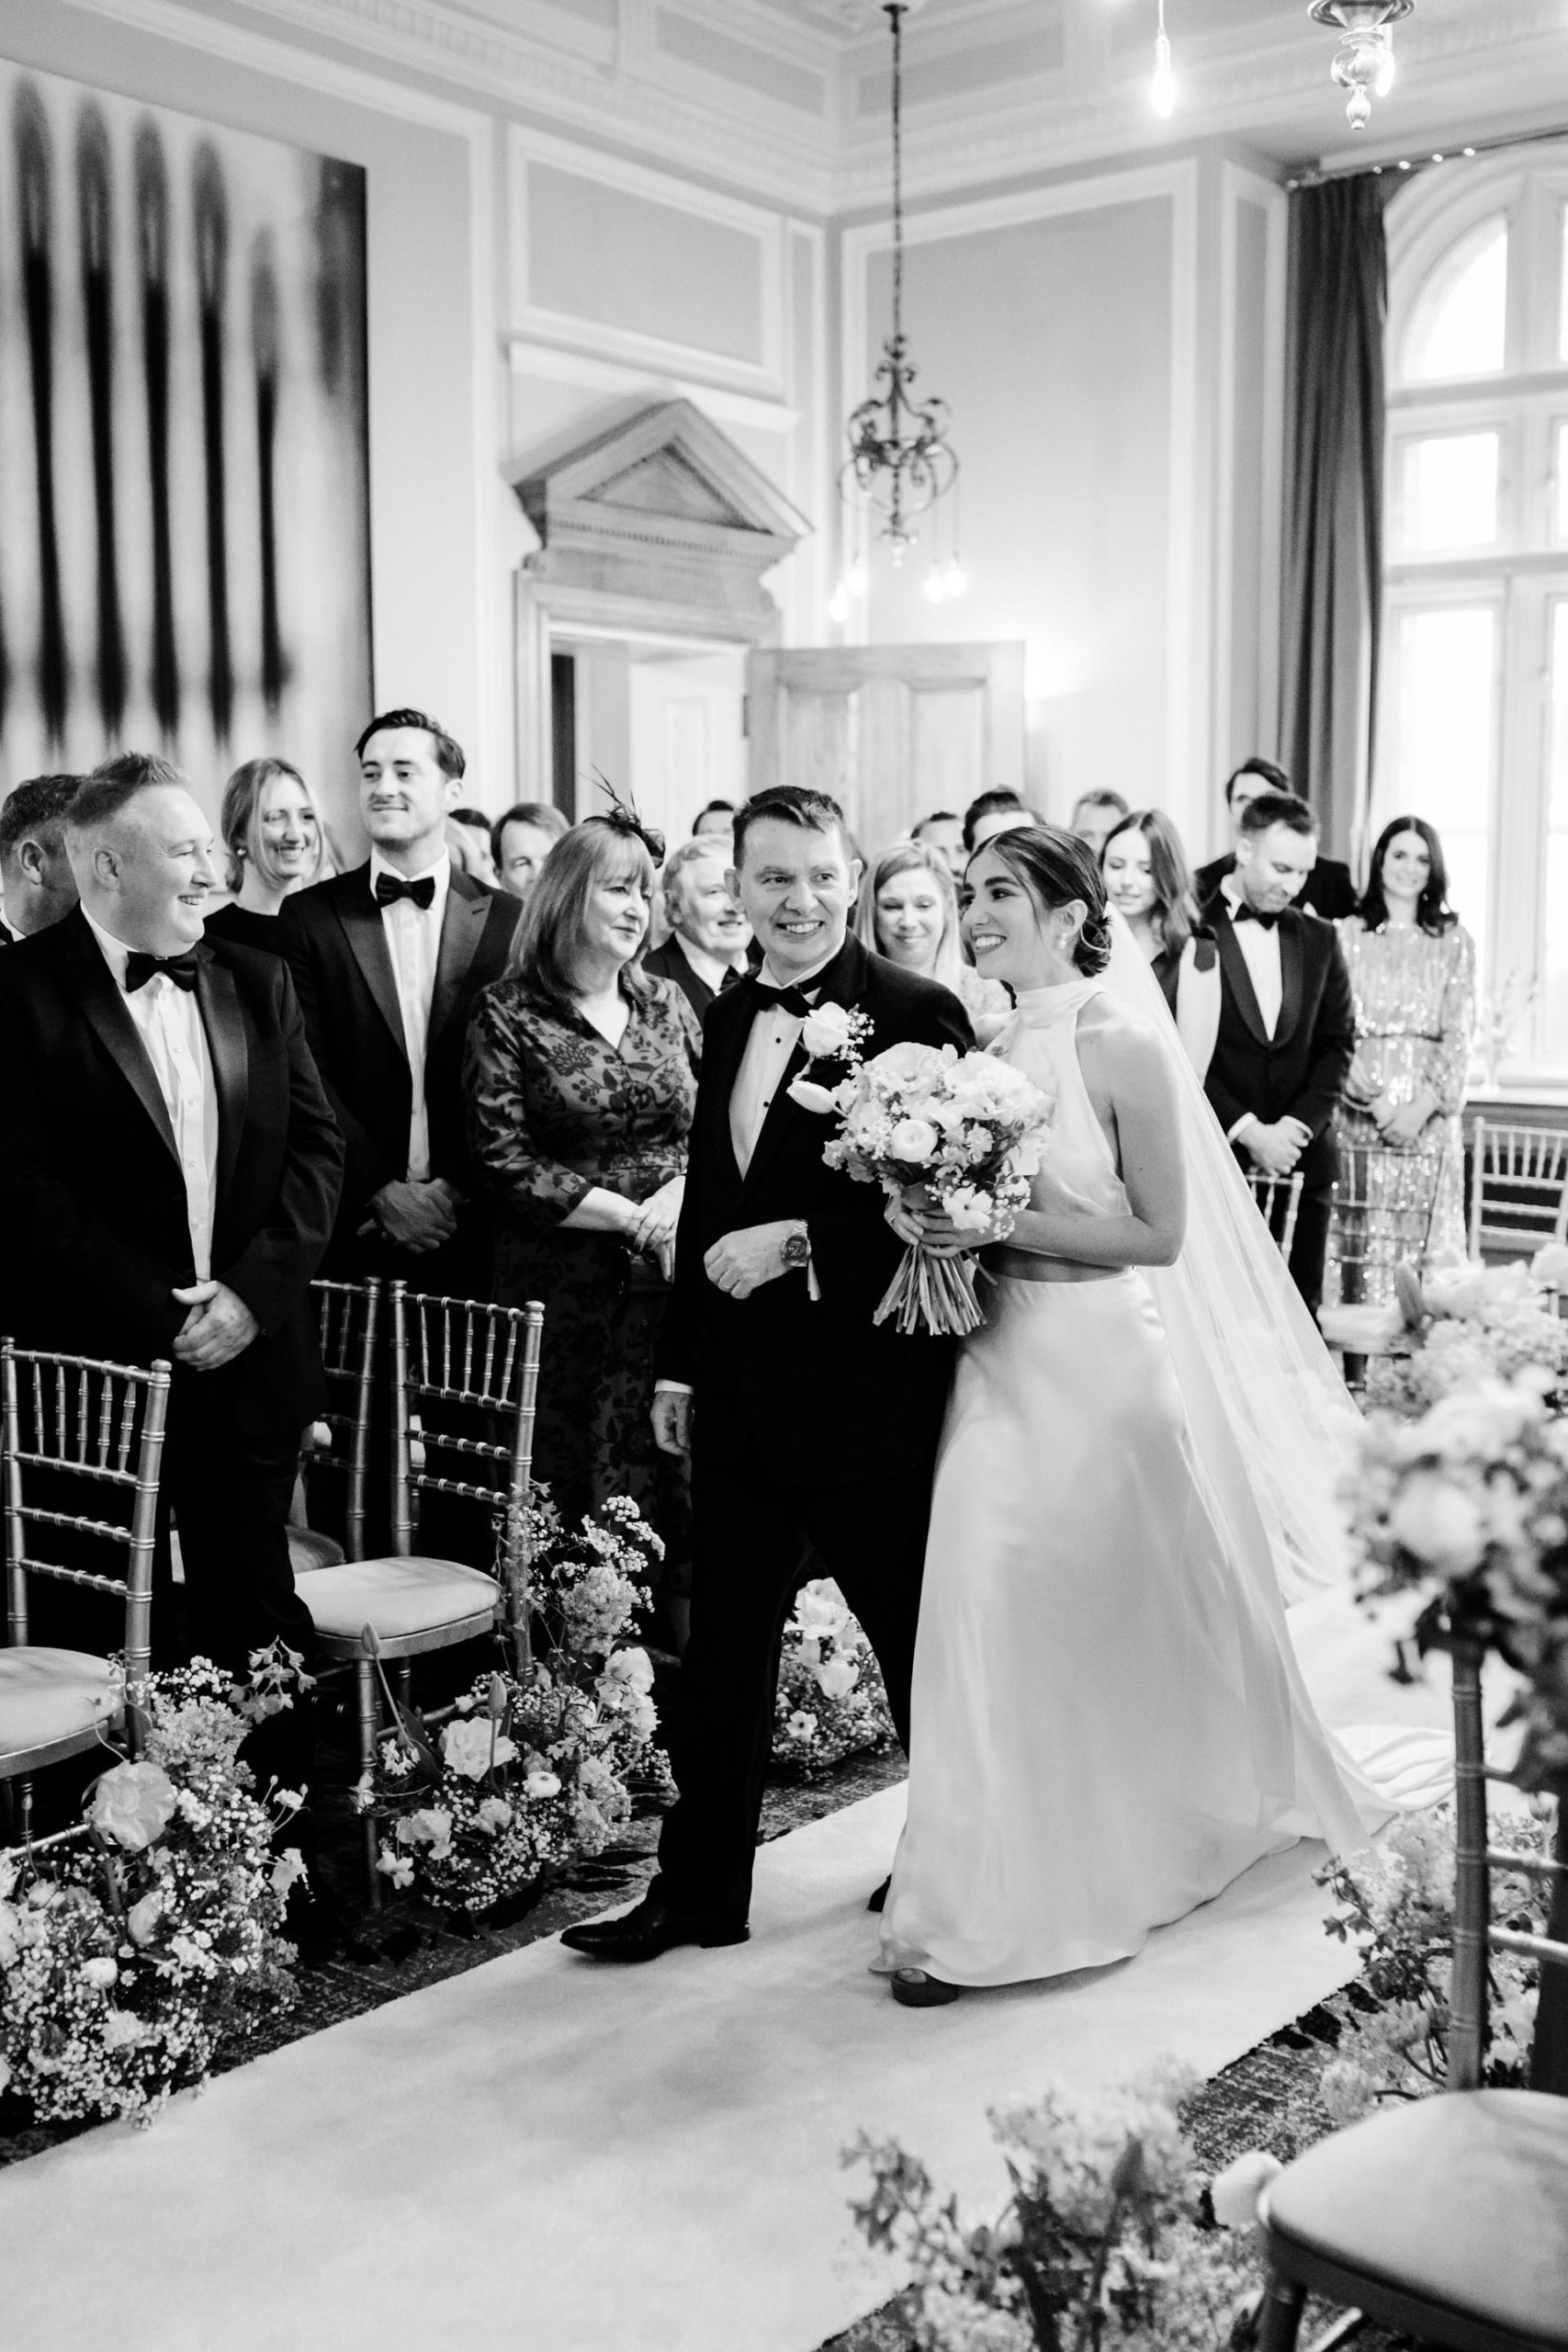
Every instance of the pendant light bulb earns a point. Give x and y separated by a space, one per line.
1162 89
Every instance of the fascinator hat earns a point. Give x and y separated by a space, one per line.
621 816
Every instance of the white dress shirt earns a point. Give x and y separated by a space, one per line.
168 1020
714 969
1259 946
413 943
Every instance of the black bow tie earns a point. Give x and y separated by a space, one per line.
794 1001
391 888
1242 912
141 967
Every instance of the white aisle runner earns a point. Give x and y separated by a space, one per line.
547 2156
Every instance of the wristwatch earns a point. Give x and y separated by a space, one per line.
795 1248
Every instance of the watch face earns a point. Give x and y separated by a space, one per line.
797 1249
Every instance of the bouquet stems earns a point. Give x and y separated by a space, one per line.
932 1293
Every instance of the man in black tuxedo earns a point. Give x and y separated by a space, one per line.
388 960
807 1424
36 886
169 1170
1287 1028
709 935
1327 890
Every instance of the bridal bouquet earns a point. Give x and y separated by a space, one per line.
971 1129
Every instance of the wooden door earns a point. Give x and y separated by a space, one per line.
892 731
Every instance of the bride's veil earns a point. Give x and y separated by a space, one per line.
1270 1418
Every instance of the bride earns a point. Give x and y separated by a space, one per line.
1109 1723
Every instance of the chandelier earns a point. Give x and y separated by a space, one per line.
1363 62
900 461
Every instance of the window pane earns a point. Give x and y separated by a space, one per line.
1459 321
1444 689
1451 491
1554 960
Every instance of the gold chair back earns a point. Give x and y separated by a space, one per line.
348 1319
1279 1201
94 1422
1519 1188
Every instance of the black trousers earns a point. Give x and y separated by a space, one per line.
756 1538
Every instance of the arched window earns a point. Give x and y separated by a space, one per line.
1473 726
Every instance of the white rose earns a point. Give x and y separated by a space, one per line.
467 1746
493 1815
826 1031
99 1973
543 1784
1234 2192
837 1678
633 1668
1439 1522
143 1916
914 1141
133 1804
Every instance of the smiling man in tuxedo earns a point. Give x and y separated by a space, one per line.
808 1423
1287 1030
388 959
169 1169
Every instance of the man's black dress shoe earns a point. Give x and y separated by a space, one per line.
878 1902
653 1928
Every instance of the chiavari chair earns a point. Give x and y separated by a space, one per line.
1518 1189
348 1319
75 1421
1279 1201
1444 2218
479 1366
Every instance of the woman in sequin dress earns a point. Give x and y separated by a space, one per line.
1412 972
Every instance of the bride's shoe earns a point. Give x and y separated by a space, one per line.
914 1989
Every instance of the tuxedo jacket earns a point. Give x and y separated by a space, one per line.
92 1196
829 1395
1300 1072
1328 891
336 942
666 962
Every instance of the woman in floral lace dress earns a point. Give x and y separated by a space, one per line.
579 1083
1412 972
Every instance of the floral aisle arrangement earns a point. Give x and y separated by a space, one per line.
832 1702
1464 1322
970 1128
1099 2244
533 1770
130 1951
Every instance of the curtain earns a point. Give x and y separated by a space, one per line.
1334 465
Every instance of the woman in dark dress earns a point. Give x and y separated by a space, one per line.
274 838
580 1081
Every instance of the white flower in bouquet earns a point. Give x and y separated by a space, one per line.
492 1814
1549 1265
837 1678
1439 1522
472 1746
830 1031
133 1804
1234 2192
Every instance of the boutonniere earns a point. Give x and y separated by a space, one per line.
830 1033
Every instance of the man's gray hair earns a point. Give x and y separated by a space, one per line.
681 860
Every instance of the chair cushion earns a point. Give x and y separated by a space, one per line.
1365 1330
308 1548
1461 2199
396 1595
51 1695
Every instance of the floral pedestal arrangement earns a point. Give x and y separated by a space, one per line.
130 1951
534 1769
831 1704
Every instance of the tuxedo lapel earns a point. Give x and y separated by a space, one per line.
362 927
1291 975
104 1009
462 926
724 1046
225 1027
1238 977
843 982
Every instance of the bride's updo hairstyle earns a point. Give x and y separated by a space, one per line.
1055 868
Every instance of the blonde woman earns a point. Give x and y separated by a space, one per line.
908 911
273 836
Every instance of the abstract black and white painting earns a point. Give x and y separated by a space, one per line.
184 550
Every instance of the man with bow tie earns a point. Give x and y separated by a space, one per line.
388 960
169 1170
812 1430
1287 1025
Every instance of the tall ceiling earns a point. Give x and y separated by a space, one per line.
790 96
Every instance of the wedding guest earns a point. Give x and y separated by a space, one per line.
1146 879
998 811
521 839
36 886
467 838
707 937
715 817
907 910
1327 890
1411 967
388 960
811 1424
169 1167
273 839
580 1081
1095 815
944 832
1287 1026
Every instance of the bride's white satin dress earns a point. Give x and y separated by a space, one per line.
1109 1723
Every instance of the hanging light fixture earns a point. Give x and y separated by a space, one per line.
900 461
1363 62
1162 89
